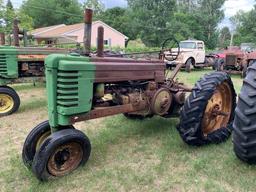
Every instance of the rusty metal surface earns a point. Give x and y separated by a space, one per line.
108 111
87 30
122 69
2 39
176 71
16 32
231 59
31 57
40 51
100 43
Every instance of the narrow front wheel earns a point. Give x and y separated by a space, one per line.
61 153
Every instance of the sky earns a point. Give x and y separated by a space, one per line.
231 7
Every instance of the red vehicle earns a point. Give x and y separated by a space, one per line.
236 60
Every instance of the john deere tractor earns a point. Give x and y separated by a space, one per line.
81 88
84 87
17 63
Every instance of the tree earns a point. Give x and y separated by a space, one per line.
96 5
53 12
120 19
9 16
151 18
245 27
208 16
224 37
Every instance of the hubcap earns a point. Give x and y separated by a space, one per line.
65 159
6 103
218 109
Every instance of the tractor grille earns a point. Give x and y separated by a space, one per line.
231 60
67 88
3 65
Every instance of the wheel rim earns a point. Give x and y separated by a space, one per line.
6 103
42 139
65 159
218 109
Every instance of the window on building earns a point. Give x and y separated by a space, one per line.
106 42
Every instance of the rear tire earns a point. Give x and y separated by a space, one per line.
198 124
244 135
9 101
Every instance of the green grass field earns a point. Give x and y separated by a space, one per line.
127 155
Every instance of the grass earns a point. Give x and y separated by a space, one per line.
127 155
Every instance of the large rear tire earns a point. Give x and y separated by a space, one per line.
208 112
9 101
244 135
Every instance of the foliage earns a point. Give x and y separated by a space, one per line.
245 27
96 5
9 15
224 37
151 18
52 12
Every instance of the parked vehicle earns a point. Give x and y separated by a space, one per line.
236 60
81 88
192 54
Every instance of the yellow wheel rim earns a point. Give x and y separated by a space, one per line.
6 103
42 139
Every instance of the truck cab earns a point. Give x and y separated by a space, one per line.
192 54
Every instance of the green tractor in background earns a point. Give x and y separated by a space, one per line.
17 63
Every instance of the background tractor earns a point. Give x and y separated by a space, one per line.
81 88
236 60
17 64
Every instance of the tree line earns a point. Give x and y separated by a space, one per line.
152 21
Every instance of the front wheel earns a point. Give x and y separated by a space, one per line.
188 65
9 101
61 153
208 113
35 139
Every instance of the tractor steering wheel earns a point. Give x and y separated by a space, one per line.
170 49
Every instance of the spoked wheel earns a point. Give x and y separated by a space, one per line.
208 113
34 141
61 153
217 112
9 101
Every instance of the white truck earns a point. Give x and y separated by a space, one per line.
192 54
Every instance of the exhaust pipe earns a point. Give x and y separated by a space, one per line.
100 42
87 31
16 32
2 39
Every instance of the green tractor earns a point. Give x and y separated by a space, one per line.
85 87
17 63
81 88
